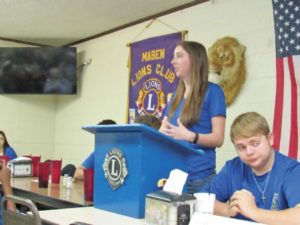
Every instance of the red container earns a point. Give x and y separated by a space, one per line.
35 162
4 159
44 172
55 171
88 175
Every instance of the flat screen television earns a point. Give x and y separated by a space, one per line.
38 70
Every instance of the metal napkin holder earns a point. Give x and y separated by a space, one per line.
20 167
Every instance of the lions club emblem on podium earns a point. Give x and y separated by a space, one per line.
114 167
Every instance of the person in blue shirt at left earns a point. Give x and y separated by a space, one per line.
196 113
89 162
5 149
261 184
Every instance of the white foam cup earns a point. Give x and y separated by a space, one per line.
205 202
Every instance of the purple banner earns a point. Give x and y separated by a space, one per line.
152 77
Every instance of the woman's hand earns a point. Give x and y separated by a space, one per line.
179 132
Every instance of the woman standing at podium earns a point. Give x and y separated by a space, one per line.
196 112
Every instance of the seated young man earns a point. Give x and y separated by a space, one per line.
88 163
261 184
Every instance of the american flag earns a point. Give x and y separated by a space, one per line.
287 106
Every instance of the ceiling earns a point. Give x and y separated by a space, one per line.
67 22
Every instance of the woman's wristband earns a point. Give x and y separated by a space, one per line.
195 141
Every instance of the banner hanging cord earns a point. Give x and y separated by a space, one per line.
149 24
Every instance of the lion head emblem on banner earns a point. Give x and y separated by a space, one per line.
151 98
227 66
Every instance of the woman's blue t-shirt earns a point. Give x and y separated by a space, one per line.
201 166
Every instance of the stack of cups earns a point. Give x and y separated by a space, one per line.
55 171
88 176
35 163
43 174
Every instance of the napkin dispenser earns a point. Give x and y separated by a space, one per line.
168 208
20 167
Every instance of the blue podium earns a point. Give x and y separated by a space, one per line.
129 160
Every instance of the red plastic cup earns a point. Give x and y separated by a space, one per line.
44 172
35 162
88 177
4 159
55 171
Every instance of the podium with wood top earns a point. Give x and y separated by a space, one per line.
129 161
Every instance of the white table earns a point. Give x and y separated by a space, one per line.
94 216
56 196
89 215
206 219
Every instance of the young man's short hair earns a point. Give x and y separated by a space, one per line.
248 125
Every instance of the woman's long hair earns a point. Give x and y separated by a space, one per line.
6 145
199 80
